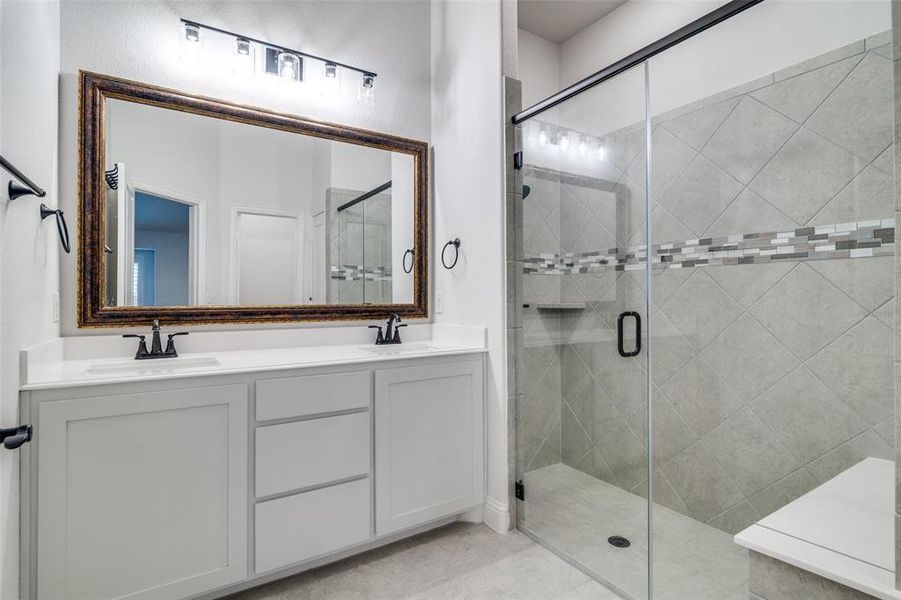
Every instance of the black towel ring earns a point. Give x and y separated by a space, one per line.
456 244
61 227
404 260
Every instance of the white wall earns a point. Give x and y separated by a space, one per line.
139 41
770 36
538 67
29 63
467 134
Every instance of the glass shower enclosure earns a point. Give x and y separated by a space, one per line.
707 294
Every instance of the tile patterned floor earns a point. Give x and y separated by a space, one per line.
461 561
575 513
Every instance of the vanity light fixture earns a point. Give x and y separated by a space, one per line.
583 146
330 85
191 44
542 136
289 66
286 63
243 60
366 96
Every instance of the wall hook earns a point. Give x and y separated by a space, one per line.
456 244
61 227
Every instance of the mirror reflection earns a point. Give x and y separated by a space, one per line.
207 211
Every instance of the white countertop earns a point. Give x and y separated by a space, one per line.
843 530
52 366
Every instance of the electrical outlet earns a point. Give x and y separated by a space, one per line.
439 302
55 308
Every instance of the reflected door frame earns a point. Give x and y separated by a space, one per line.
234 261
196 237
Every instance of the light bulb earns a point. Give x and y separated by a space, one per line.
191 44
289 66
366 95
243 62
542 136
564 140
602 152
583 146
331 87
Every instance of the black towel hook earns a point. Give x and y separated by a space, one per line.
61 227
456 244
412 253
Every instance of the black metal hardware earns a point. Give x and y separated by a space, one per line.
456 244
277 47
112 177
715 17
526 190
380 338
26 188
13 437
519 490
366 196
619 333
411 252
619 541
61 227
156 347
517 160
392 335
107 249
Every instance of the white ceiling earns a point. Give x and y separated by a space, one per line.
559 20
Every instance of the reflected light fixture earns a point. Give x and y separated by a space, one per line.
602 152
583 146
542 136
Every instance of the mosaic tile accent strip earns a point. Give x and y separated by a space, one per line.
358 272
862 239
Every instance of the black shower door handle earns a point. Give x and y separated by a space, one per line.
619 333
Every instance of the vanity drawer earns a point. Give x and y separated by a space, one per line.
291 456
312 394
296 528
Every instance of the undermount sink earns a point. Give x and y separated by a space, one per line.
149 366
396 349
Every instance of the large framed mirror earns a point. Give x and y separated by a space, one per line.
196 210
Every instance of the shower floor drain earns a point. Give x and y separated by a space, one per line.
619 541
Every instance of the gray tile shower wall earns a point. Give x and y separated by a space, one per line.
769 377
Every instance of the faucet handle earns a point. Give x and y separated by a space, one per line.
172 335
380 338
397 333
134 335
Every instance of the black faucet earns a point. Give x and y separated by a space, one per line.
391 335
156 347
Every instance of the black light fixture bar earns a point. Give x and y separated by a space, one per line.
715 17
278 47
363 197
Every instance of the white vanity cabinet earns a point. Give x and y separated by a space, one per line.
429 453
142 495
199 486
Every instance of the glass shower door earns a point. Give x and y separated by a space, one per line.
772 288
582 377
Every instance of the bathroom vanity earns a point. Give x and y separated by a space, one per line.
208 473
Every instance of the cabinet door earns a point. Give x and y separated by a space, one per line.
429 456
142 495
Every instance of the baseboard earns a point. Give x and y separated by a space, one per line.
497 515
